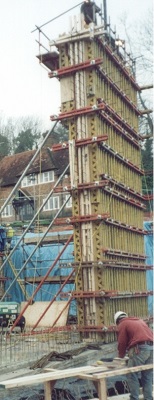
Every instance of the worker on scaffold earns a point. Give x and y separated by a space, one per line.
136 337
89 10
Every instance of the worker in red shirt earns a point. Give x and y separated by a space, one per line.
136 337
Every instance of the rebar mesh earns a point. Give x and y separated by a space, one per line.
21 348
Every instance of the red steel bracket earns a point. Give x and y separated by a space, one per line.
72 69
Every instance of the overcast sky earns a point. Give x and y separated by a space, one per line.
25 88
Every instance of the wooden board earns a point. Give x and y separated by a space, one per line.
67 93
49 379
119 371
57 238
49 376
35 310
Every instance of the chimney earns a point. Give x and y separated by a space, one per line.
52 139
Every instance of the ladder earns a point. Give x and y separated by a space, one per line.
20 281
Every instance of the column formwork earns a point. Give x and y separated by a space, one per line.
99 107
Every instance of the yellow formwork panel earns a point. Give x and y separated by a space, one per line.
117 238
122 279
91 239
120 210
63 56
135 306
112 71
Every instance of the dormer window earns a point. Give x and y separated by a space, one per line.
34 179
29 180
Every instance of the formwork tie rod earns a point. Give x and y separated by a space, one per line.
107 294
124 187
108 264
119 253
120 93
118 118
83 218
118 64
75 68
77 112
81 186
125 226
138 267
122 159
73 329
123 197
79 142
118 128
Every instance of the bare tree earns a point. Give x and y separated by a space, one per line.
7 127
140 44
19 134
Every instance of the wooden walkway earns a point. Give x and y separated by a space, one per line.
97 374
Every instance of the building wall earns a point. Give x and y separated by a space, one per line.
38 192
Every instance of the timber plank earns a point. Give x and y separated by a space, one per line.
122 371
51 279
48 376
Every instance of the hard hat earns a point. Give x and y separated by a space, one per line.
119 315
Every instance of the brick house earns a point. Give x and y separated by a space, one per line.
35 186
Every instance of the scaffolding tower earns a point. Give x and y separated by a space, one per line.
99 107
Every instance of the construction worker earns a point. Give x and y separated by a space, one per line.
136 337
9 232
2 238
89 10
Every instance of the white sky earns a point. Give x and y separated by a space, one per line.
25 88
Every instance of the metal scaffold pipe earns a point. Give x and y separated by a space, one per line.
38 244
35 216
105 13
43 279
58 291
53 19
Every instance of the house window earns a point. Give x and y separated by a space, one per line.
29 180
47 176
52 204
69 203
8 211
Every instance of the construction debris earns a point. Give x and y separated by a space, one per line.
66 355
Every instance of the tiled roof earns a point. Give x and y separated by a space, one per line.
12 167
60 159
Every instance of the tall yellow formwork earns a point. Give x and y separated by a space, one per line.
99 105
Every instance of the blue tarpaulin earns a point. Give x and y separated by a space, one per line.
148 243
43 258
38 265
